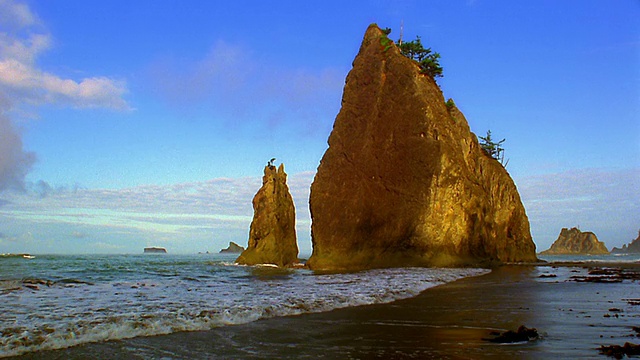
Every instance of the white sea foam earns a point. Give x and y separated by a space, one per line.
59 314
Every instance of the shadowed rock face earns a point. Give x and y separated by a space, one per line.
272 237
404 182
575 242
632 248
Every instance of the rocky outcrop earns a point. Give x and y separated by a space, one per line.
155 250
404 181
272 237
632 248
575 242
232 248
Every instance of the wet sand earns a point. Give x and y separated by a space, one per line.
446 322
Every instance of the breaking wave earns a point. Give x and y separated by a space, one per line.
43 314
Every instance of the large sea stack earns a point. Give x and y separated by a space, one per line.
272 236
404 181
575 242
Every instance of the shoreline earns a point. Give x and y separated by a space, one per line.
448 321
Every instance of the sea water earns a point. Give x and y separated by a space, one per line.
592 259
57 301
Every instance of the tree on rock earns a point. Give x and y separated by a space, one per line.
492 148
429 61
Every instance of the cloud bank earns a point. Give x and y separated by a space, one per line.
15 162
606 202
196 216
185 217
23 85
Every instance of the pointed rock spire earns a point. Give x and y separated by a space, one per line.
272 236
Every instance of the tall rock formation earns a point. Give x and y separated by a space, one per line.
575 242
272 236
404 181
632 248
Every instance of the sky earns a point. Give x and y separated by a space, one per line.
148 123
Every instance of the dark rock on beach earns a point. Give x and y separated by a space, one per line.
404 181
272 236
619 352
521 335
575 242
608 275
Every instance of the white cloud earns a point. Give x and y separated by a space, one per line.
172 213
605 202
21 81
14 15
23 85
24 51
14 161
220 210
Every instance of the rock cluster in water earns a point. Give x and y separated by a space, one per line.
632 248
575 242
272 236
404 181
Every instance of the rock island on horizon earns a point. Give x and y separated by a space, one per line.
232 248
155 250
632 248
575 242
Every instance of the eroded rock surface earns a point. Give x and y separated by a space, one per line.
404 181
232 248
575 242
272 237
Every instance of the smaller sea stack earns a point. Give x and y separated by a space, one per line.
575 242
232 248
272 237
632 248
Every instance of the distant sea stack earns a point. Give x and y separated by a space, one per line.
155 250
632 248
575 242
232 248
404 181
272 236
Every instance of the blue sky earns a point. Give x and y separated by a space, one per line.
127 124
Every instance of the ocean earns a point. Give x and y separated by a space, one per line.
59 301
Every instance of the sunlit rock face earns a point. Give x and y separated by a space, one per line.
575 242
272 236
232 248
404 181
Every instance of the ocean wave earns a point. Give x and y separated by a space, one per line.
586 259
60 316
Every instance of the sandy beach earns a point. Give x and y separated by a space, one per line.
574 311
